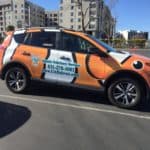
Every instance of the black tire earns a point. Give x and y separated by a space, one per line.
17 80
125 93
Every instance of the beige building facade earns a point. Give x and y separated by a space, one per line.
20 14
51 18
95 11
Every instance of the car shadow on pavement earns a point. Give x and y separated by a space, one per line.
12 117
79 94
66 92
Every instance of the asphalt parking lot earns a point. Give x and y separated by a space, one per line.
58 118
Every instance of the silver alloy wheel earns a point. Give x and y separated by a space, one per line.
16 80
125 93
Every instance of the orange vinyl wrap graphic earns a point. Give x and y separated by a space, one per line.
84 77
96 66
4 46
39 53
91 70
145 69
111 66
7 41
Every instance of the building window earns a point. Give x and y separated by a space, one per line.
91 26
93 5
71 20
15 6
79 27
72 7
61 14
79 19
79 13
72 1
55 15
22 5
61 20
93 13
71 13
61 8
55 19
16 11
15 17
92 19
71 26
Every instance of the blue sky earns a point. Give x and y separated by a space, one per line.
131 14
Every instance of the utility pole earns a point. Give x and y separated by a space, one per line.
114 29
99 18
29 14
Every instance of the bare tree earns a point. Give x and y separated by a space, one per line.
84 11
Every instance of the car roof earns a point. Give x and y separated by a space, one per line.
35 29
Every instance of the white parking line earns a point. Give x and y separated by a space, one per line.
79 107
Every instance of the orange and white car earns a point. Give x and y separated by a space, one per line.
75 58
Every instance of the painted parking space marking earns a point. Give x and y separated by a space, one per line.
81 107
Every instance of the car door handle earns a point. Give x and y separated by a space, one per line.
65 58
26 53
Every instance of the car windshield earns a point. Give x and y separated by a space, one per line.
106 46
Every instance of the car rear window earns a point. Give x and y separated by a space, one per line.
19 38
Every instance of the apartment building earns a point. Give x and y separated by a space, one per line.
134 34
70 16
51 18
20 14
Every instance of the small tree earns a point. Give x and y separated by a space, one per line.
10 28
137 43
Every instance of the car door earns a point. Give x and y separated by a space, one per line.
35 50
91 68
72 63
60 64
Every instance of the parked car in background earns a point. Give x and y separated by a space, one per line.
76 58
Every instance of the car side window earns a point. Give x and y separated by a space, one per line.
43 39
85 46
19 38
75 43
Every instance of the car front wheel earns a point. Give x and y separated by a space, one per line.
16 80
125 92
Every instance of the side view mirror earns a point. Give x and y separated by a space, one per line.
96 51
